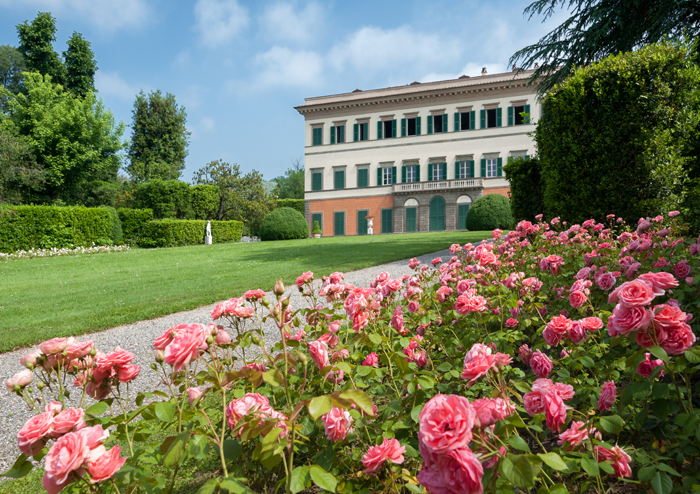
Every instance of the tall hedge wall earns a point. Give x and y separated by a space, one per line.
45 227
297 204
133 221
174 233
526 187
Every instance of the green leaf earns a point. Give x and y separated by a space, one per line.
693 355
274 377
661 483
590 467
165 411
444 367
606 467
359 398
300 477
21 467
375 338
197 447
666 468
344 367
553 460
646 473
518 470
587 361
209 487
612 424
659 352
519 443
319 405
98 408
235 486
322 478
363 370
558 489
415 412
232 449
176 450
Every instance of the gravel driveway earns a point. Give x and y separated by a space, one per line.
138 337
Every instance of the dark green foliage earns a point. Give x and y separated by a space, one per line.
598 28
490 212
205 201
20 175
11 66
80 66
316 228
159 140
526 192
101 193
167 198
297 204
36 45
133 221
613 137
284 224
117 234
174 233
291 185
44 227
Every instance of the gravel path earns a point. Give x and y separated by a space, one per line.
138 337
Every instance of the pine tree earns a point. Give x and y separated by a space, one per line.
80 66
35 44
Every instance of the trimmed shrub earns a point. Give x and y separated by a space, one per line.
133 221
284 224
297 204
205 201
46 227
117 234
526 188
490 212
175 233
167 198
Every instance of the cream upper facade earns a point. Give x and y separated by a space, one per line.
447 139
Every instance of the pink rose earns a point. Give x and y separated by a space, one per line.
540 364
119 357
397 321
372 360
566 391
193 394
591 323
669 316
606 281
98 391
646 367
359 320
633 293
106 465
21 379
525 354
338 424
80 349
577 333
607 396
651 336
304 278
390 449
432 480
254 294
68 421
319 354
575 435
577 299
462 471
56 345
30 358
659 281
554 411
682 269
625 320
534 402
678 340
489 411
30 438
222 337
511 322
54 407
65 456
186 346
413 306
167 337
617 457
477 367
487 258
446 423
127 373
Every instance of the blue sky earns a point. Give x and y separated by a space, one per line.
239 67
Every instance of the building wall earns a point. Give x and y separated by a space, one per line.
350 205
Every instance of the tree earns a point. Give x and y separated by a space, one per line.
159 140
19 172
36 45
80 66
11 66
74 140
241 198
598 28
291 186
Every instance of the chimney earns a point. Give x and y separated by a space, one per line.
537 66
483 71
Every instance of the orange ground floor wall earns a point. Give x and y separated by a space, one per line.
330 206
499 190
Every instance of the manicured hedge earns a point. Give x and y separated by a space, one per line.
526 187
174 233
205 201
297 204
490 212
45 227
133 221
117 233
284 224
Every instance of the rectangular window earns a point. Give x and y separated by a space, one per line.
339 179
338 134
386 176
317 136
437 124
339 223
491 118
363 177
462 211
388 128
411 175
465 120
387 221
411 126
317 181
364 131
463 169
317 217
491 167
439 171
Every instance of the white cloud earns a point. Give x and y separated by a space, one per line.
281 66
104 15
281 22
111 84
219 21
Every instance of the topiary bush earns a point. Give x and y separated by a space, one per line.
490 212
117 235
284 224
133 221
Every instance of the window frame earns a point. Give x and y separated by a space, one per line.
390 174
391 220
317 132
360 171
411 173
336 171
491 162
313 174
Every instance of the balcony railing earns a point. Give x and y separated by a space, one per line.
462 183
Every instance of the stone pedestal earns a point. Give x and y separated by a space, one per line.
207 240
370 223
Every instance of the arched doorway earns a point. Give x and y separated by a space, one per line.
463 203
411 206
437 214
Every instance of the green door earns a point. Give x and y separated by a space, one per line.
361 221
411 224
437 214
317 217
462 216
339 223
387 221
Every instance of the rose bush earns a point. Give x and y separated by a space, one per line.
554 359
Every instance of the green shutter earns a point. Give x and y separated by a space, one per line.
527 156
365 127
471 169
510 116
362 177
444 171
393 174
430 172
411 220
316 181
457 128
393 128
403 174
355 132
403 127
379 129
379 176
483 168
462 211
444 122
339 223
482 116
472 120
362 221
332 135
430 124
341 134
417 173
417 126
387 220
499 116
457 170
527 118
499 167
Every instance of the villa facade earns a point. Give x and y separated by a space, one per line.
414 157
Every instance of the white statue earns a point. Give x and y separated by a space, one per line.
370 223
207 237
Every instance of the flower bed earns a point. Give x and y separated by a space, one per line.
553 359
31 253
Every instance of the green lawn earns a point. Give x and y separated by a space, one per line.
47 297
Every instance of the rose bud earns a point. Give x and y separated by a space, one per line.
279 288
